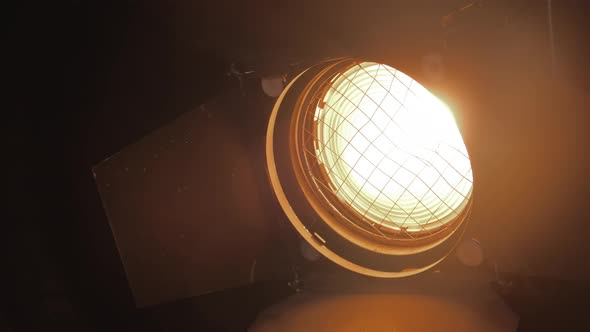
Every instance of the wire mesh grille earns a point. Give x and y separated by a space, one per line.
389 150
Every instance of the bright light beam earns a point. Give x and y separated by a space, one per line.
392 150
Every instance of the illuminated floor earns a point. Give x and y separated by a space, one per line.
463 306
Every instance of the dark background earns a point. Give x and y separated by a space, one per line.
93 77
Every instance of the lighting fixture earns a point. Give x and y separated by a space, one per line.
369 167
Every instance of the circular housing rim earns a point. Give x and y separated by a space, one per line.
344 244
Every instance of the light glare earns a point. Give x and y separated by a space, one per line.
392 150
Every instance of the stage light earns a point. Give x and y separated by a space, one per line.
369 167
